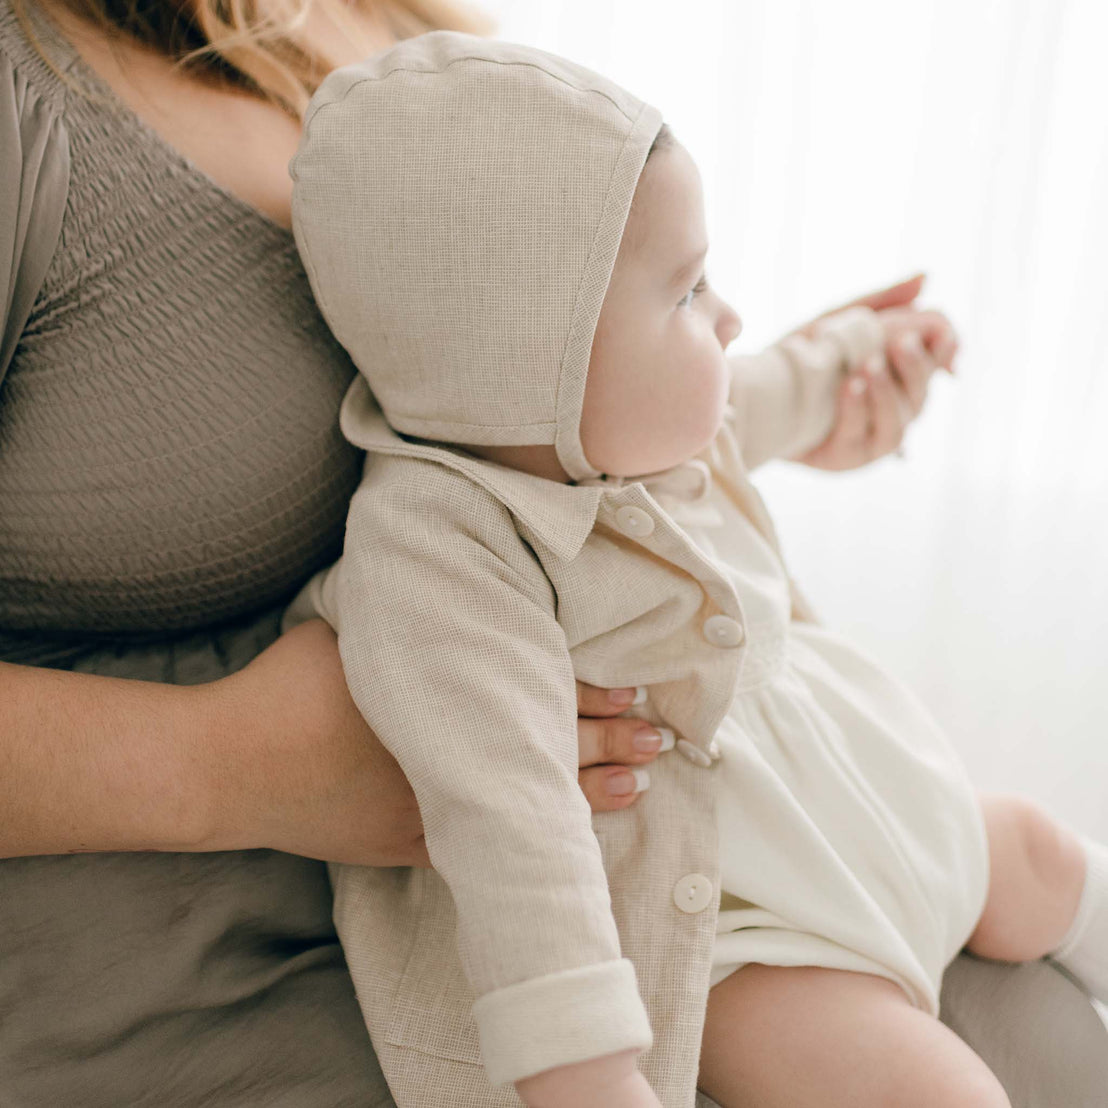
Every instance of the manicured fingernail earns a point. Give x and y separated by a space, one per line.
669 739
621 784
857 385
622 697
647 741
640 696
629 781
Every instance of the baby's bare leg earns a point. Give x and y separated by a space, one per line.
817 1038
1036 874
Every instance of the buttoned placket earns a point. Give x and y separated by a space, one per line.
637 515
634 513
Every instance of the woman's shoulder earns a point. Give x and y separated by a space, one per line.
33 61
34 176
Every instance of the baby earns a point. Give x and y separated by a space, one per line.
512 250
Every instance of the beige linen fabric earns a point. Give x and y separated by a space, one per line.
481 286
468 597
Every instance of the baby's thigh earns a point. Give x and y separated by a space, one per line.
806 1037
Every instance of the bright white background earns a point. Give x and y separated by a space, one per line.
846 143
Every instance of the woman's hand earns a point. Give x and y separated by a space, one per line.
877 403
613 750
303 773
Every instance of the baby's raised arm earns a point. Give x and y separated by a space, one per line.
783 399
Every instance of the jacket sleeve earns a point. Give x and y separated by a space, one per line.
34 180
453 654
784 399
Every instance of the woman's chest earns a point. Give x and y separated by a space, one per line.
169 450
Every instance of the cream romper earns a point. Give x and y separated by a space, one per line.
850 836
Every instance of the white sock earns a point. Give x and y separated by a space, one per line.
1084 950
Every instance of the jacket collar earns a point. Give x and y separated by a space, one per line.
562 516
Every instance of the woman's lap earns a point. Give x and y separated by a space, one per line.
224 984
176 981
182 980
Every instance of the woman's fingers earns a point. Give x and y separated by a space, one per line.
941 340
631 742
845 447
933 328
613 749
888 414
852 430
913 364
592 701
900 295
610 788
613 754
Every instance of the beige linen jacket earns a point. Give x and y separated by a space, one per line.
458 205
468 599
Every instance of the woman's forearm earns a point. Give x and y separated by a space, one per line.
275 755
100 763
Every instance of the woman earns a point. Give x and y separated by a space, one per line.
162 341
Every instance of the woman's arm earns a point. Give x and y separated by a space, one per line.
276 755
90 763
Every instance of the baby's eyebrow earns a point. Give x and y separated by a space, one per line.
689 269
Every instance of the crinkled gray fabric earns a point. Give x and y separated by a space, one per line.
34 180
169 461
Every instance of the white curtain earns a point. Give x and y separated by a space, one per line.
845 144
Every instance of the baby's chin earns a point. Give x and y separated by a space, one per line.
631 464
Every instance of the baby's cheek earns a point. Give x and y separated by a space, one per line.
703 400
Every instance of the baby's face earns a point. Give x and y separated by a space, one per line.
657 383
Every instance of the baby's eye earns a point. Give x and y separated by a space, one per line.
694 292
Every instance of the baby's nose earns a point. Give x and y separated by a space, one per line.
729 326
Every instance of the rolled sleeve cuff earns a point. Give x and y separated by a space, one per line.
559 1019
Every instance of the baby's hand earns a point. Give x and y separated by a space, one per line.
611 1081
879 399
917 343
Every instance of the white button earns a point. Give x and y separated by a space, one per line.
693 893
694 754
634 522
723 631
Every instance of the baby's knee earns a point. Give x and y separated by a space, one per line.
979 1089
1037 870
1027 844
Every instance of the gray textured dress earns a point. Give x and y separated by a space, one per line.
170 473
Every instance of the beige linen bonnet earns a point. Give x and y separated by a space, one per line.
458 204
